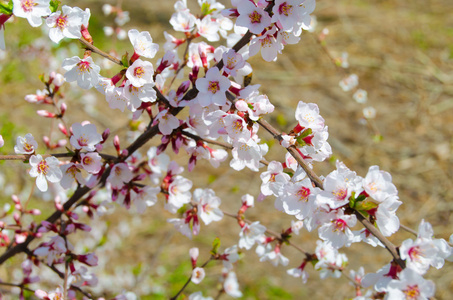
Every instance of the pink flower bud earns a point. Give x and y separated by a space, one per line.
105 135
183 87
61 143
116 143
89 259
62 129
63 108
35 212
46 114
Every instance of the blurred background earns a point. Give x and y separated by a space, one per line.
402 52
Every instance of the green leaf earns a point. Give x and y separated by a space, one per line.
306 133
365 205
205 8
212 178
54 5
125 60
137 270
215 246
6 9
378 138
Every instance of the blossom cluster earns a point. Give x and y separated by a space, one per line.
221 104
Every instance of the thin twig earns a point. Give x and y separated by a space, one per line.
190 278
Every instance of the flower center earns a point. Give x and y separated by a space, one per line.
255 17
62 22
84 66
415 253
87 160
412 292
43 167
27 5
285 9
83 141
340 225
139 72
28 147
213 87
340 194
303 194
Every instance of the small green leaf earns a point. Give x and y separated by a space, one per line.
215 246
6 9
205 8
137 270
314 262
212 178
54 5
365 205
125 60
377 138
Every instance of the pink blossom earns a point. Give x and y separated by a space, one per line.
25 145
65 24
91 162
143 43
120 175
32 10
212 88
85 136
45 169
84 71
140 73
252 17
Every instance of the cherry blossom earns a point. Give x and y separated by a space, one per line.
32 10
91 162
231 285
167 122
84 71
212 88
66 24
25 145
247 153
350 82
144 197
232 62
183 21
198 275
45 169
252 17
71 173
119 175
140 73
208 205
178 193
410 285
143 43
250 234
268 45
307 114
84 136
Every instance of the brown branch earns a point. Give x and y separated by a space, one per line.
139 142
93 48
58 155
